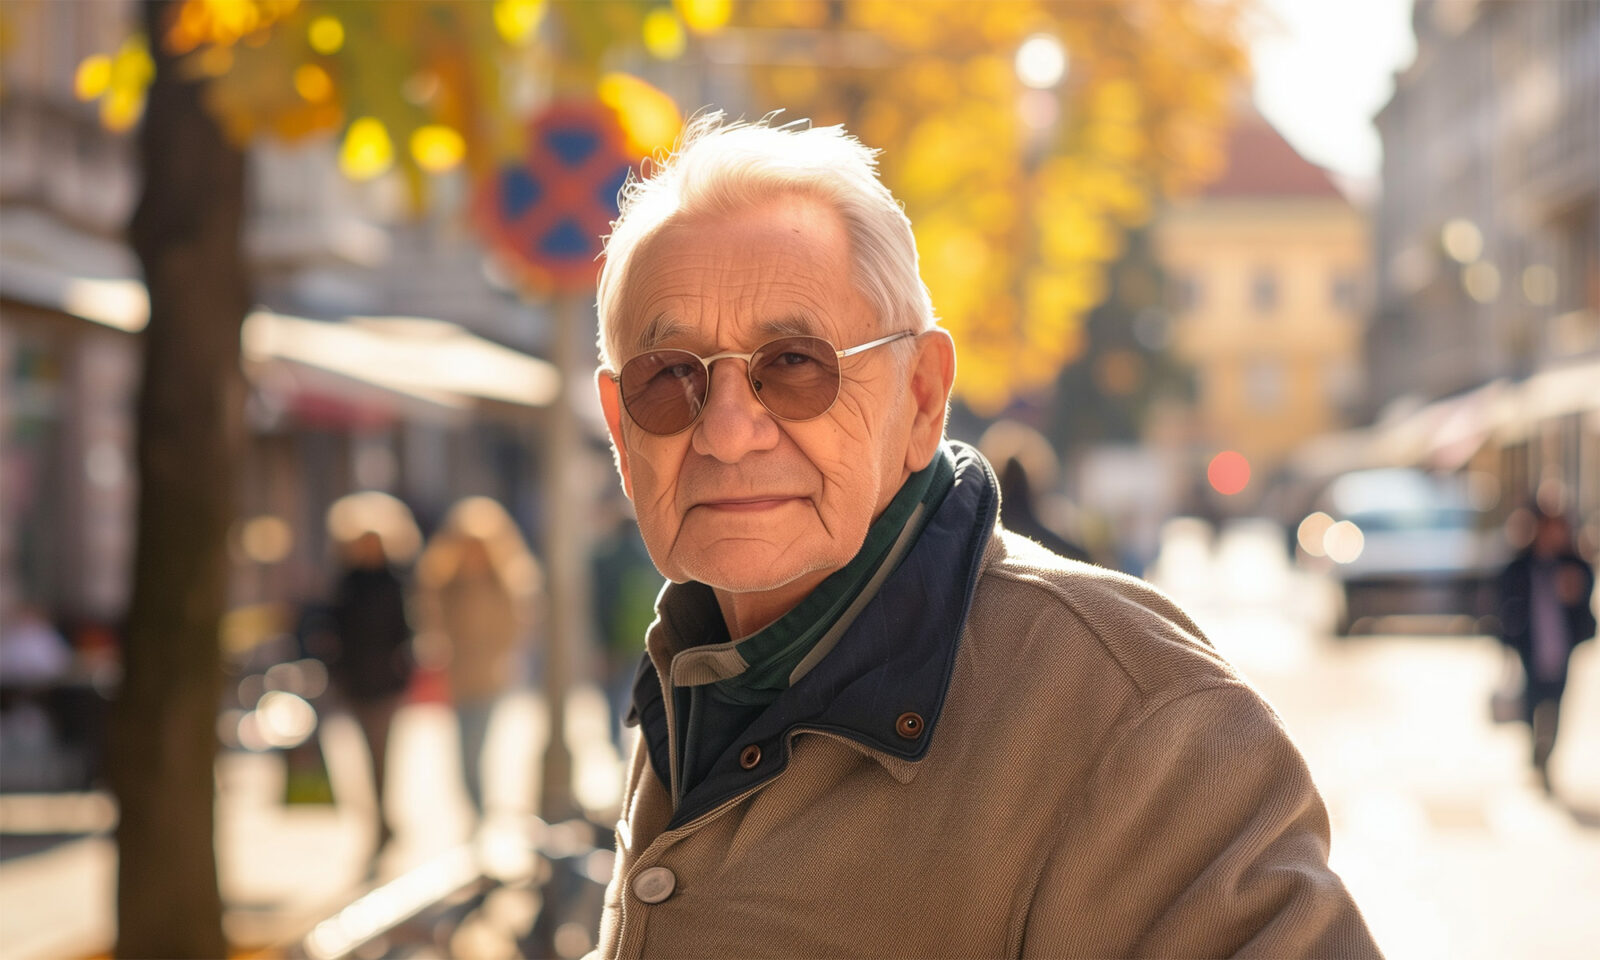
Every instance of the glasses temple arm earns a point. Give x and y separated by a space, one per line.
875 343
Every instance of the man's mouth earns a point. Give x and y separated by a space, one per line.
747 504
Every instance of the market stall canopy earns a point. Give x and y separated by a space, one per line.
435 361
427 358
1445 434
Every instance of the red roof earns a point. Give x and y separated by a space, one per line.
1260 163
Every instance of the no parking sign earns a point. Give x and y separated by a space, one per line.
544 213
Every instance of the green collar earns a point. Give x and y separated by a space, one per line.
756 669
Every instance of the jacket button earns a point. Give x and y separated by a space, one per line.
750 756
909 725
654 884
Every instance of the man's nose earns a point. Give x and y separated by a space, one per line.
733 422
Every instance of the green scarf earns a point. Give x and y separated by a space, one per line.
781 653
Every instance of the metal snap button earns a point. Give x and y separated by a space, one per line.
909 725
750 756
654 884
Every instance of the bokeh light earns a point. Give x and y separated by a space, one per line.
1481 280
517 21
663 34
266 539
437 148
284 719
1539 285
1462 241
92 77
650 119
1344 542
1311 533
313 83
1041 61
704 16
1228 472
367 151
326 35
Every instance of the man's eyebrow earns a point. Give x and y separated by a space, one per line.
658 331
793 325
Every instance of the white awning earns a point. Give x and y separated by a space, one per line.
432 359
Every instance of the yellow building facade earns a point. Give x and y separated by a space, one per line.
1269 275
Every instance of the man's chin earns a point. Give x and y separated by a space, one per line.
746 574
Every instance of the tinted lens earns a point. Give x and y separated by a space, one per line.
664 391
797 378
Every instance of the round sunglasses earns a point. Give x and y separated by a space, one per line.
795 378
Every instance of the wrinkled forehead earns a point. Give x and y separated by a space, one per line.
779 268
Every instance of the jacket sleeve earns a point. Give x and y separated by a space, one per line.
1200 835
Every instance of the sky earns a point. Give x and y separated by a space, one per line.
1324 68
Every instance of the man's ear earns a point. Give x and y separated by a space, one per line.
611 405
933 373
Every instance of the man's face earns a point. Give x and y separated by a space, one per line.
743 501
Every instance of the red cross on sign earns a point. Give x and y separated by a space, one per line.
544 213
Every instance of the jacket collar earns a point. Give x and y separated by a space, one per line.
895 658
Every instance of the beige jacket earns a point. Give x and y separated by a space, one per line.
1097 782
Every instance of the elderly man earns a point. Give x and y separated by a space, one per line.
874 723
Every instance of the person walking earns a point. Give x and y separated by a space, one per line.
1544 614
372 663
479 586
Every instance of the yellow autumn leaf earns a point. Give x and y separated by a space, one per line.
437 148
650 118
704 16
663 34
92 78
326 35
367 151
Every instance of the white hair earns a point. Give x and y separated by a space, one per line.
719 168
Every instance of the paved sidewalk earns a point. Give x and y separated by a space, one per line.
1440 829
282 869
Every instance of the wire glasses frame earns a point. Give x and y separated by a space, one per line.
794 378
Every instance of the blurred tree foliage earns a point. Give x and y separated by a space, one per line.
1020 197
1124 367
422 86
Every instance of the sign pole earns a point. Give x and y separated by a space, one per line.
566 556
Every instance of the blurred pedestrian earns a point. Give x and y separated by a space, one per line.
1026 465
625 587
32 651
1544 614
479 590
373 661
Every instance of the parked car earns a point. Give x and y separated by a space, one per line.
1404 542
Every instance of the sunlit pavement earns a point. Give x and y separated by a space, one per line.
1439 829
283 868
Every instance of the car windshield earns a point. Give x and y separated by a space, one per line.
1415 519
1397 499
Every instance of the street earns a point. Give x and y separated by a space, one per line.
1439 828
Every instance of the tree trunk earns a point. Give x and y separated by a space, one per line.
186 232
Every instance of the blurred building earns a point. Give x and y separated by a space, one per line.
1487 324
1268 267
382 353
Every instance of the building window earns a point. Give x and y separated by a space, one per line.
1264 290
1263 384
1186 293
1342 385
1345 293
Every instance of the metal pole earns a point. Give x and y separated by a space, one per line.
566 557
